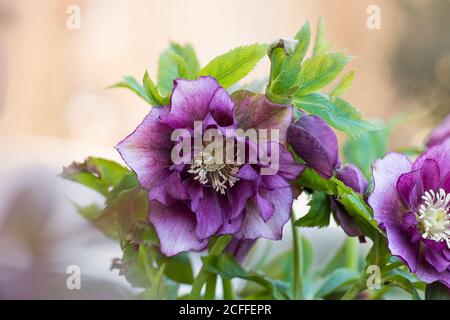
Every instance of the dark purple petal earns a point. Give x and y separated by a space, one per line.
175 226
439 153
430 174
352 177
437 259
344 220
240 248
440 134
209 214
254 226
407 188
266 208
288 167
316 143
255 111
428 273
445 183
274 182
147 150
192 100
238 197
195 190
246 172
400 245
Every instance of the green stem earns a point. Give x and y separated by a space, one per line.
352 253
211 281
218 247
298 267
228 293
356 288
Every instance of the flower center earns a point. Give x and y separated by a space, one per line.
211 169
434 216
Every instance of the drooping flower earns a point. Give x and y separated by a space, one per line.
411 201
440 133
204 195
316 143
352 177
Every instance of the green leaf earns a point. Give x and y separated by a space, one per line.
318 72
97 174
322 45
311 180
344 85
358 209
337 113
171 66
379 252
189 56
153 93
402 280
178 268
365 149
338 260
307 254
437 291
285 67
319 211
336 280
234 65
90 212
133 85
227 267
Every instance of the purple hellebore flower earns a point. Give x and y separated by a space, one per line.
411 201
316 143
194 200
439 134
352 177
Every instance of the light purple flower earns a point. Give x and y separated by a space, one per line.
230 199
316 143
440 133
352 177
411 202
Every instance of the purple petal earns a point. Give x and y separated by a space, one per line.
352 177
400 244
384 199
387 206
238 197
240 248
246 172
428 273
439 153
437 259
344 220
192 100
440 134
254 226
147 150
195 190
175 226
407 188
316 143
288 167
430 175
266 208
209 214
255 111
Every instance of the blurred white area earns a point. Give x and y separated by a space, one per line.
41 234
